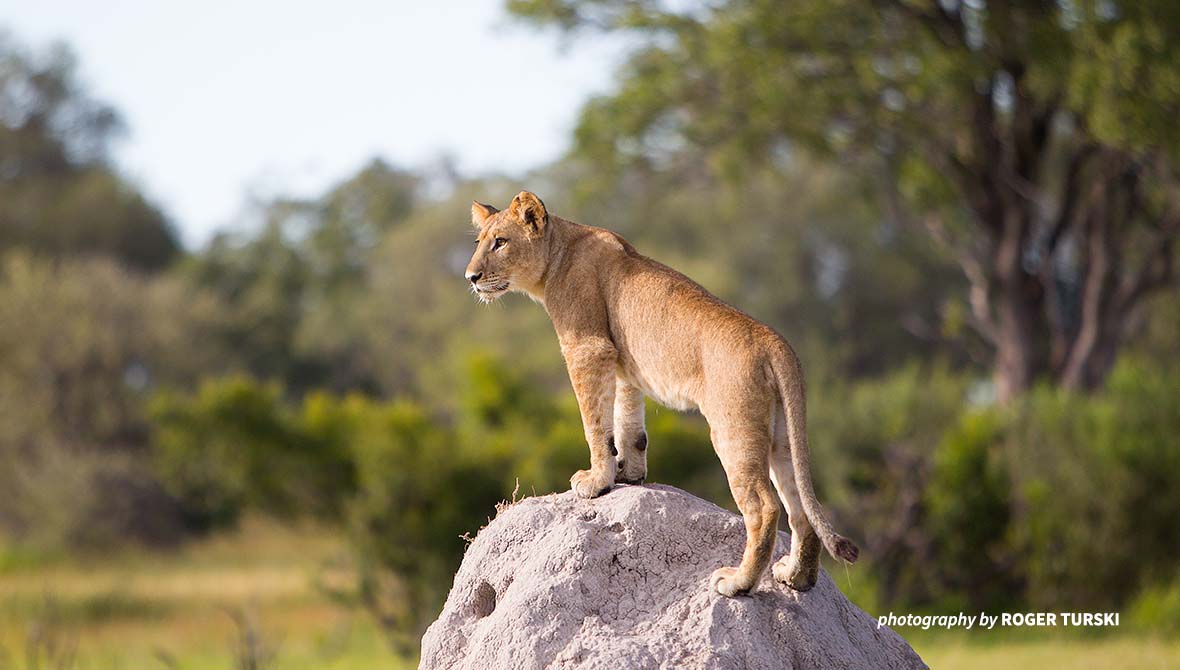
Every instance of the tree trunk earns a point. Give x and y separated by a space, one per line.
1015 366
1055 294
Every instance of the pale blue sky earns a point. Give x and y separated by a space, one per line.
227 100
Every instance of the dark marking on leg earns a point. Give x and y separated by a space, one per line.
610 442
641 442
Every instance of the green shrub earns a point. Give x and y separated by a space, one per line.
1059 501
967 506
419 492
1157 609
873 446
235 444
1067 533
1098 487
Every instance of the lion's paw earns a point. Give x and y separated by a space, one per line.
794 577
728 582
591 483
625 474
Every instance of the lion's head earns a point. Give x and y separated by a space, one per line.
510 250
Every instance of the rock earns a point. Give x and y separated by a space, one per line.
622 582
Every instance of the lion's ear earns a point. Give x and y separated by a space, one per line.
530 210
480 213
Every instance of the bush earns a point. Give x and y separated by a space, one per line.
1098 488
874 443
1061 501
419 493
967 502
1157 609
235 444
62 498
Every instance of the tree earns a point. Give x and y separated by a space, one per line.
293 281
59 195
1034 140
82 343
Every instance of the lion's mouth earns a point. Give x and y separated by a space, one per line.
489 292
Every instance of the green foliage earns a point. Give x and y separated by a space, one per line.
1043 505
1140 424
86 340
874 443
1128 83
742 77
1097 480
235 444
680 454
1157 609
83 343
968 499
209 450
407 520
408 482
391 471
261 284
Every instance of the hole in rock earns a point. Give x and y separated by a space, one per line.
484 602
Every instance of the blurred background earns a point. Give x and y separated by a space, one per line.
249 410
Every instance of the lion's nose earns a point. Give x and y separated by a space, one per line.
474 276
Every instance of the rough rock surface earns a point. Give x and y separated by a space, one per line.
622 582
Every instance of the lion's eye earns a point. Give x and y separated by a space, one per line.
499 242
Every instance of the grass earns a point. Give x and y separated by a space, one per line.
1122 652
275 591
194 608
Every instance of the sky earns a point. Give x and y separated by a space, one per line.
231 101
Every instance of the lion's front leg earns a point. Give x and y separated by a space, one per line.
630 434
591 365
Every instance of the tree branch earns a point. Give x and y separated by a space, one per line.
979 297
944 25
1158 268
1070 192
1097 267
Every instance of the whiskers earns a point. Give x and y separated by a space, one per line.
488 291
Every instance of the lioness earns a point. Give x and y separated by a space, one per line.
629 326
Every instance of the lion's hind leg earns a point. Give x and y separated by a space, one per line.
744 454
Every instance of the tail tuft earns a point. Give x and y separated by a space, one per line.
844 548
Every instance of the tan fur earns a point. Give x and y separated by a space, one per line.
629 326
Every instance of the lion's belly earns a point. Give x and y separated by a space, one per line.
670 396
659 384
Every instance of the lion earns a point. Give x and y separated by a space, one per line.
630 327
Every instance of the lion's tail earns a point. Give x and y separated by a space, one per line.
791 390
